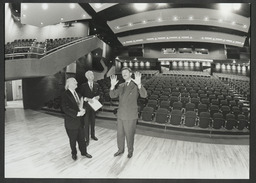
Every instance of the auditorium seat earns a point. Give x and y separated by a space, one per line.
184 101
190 118
147 114
218 123
173 99
195 101
177 105
241 124
230 124
176 117
165 104
204 119
152 103
162 115
202 108
190 107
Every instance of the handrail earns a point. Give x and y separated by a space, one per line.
40 55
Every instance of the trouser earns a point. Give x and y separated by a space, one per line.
74 136
89 120
126 130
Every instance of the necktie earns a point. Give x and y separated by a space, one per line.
76 98
91 86
125 86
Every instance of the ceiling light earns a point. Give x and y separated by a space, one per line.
175 18
159 19
24 15
97 5
62 19
24 6
16 10
206 18
84 15
42 23
190 18
45 6
245 26
95 29
233 23
220 20
117 27
130 24
140 6
144 21
72 5
236 6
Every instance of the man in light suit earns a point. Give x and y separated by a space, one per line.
127 114
73 110
89 90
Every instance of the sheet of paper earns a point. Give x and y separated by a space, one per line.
95 104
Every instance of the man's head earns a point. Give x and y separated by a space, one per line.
89 75
126 73
71 84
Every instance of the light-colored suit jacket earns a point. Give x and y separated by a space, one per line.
128 107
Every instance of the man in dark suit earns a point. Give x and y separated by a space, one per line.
127 114
89 90
72 108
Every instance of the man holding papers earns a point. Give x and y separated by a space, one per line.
90 92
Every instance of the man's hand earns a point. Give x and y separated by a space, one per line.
137 79
81 112
113 80
97 97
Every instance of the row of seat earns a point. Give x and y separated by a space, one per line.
191 119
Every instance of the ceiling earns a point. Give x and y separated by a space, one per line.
121 24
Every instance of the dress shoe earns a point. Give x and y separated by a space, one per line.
95 138
87 155
74 157
118 153
129 155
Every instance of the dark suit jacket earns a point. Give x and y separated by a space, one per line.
70 108
128 108
85 91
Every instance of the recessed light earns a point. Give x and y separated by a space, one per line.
72 5
42 23
144 21
220 20
175 18
117 27
190 18
24 15
245 26
16 10
130 24
233 23
159 19
45 6
84 15
206 18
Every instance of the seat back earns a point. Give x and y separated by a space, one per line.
190 118
175 118
204 119
162 115
218 123
147 113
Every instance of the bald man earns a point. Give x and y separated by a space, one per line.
72 107
89 90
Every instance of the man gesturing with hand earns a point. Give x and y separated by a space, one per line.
127 114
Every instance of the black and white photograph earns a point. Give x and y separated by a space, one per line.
128 91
